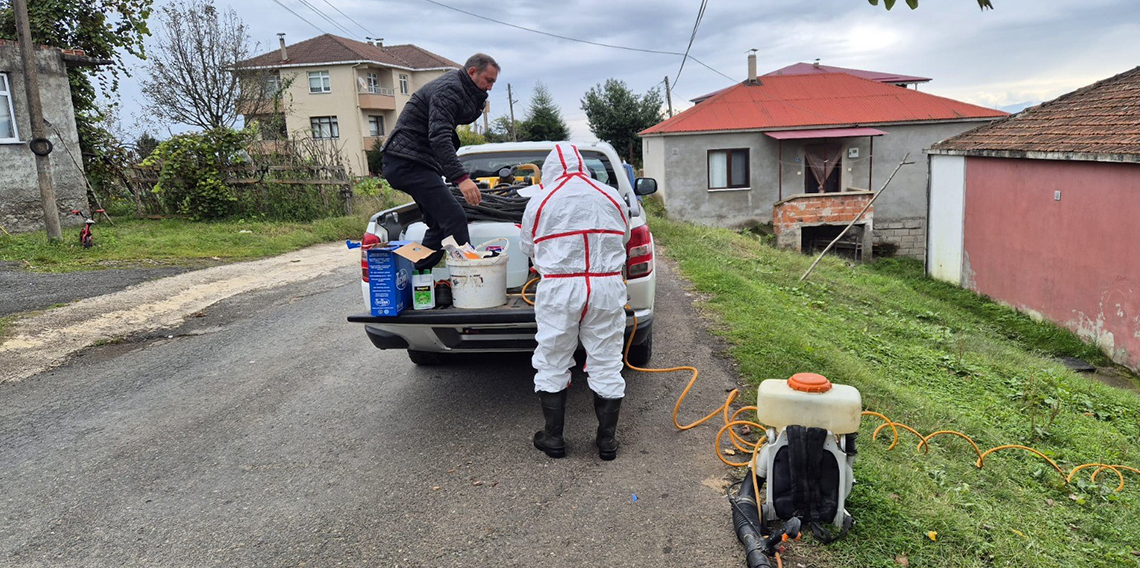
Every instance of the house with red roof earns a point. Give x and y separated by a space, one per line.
1039 211
340 92
804 148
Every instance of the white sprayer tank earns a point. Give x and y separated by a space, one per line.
808 399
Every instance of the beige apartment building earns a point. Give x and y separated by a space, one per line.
341 92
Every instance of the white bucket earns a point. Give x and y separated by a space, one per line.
480 283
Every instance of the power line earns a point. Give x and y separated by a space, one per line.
327 19
300 16
567 38
350 18
692 37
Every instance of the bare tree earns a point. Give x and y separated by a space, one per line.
190 77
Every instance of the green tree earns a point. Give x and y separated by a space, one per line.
615 115
145 145
468 136
104 29
500 130
375 157
543 119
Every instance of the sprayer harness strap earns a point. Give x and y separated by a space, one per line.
806 448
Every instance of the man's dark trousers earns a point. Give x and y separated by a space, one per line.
442 213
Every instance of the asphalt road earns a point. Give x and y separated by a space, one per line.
269 432
26 291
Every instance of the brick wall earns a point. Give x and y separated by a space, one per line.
810 209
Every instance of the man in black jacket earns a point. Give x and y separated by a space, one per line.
420 151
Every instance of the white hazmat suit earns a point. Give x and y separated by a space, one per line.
575 229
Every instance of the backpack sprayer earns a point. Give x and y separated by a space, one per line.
806 468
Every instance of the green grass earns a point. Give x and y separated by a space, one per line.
134 242
932 356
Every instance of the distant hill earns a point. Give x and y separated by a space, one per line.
1018 107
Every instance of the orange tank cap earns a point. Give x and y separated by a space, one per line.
809 382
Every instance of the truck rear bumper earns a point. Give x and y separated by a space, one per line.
471 331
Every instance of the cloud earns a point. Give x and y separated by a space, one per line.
1024 50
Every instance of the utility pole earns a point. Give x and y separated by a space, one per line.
511 101
36 114
668 96
486 113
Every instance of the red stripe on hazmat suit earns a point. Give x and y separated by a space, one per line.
575 229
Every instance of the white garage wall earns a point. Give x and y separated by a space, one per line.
947 217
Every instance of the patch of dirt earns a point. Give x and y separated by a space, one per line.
1117 377
42 341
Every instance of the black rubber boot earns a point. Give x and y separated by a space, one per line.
549 439
607 410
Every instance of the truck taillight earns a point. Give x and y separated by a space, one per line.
366 243
639 253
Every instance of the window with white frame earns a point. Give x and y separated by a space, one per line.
8 132
324 127
319 82
272 84
373 83
403 84
375 126
728 169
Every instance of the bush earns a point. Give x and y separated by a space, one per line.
192 178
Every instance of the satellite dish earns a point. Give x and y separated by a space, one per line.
363 84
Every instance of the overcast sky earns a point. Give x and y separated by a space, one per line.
1023 51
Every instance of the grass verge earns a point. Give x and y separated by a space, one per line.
933 356
134 242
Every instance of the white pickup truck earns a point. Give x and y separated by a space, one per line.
430 336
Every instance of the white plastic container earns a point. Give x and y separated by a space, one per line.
808 399
423 290
480 283
517 266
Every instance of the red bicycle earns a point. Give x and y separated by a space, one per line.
85 236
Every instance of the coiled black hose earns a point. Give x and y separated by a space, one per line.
502 204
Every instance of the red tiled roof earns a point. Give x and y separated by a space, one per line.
823 100
329 48
811 69
1102 118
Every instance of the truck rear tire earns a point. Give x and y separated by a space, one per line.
426 358
639 355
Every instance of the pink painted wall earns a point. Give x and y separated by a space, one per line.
1075 261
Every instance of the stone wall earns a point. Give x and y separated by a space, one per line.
908 234
20 205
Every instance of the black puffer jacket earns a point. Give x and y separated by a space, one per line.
425 131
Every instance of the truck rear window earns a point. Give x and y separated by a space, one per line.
488 165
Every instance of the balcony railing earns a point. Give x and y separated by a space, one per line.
383 99
378 91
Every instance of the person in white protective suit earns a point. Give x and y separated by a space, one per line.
575 229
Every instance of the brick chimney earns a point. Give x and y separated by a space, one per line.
752 67
284 54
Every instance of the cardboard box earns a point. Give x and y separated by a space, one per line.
390 267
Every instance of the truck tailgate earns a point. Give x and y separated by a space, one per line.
516 310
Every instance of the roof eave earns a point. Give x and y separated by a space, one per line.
1040 155
828 126
352 62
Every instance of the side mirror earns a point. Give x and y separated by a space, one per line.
645 186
